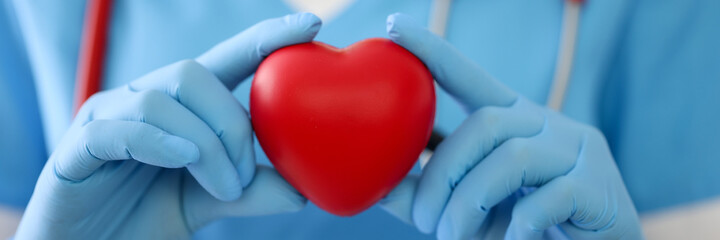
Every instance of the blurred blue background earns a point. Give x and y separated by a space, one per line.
19 117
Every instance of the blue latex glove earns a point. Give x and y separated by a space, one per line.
167 153
508 143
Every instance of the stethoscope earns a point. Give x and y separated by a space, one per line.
91 58
571 16
563 64
94 42
97 16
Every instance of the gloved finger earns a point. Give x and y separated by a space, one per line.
515 163
236 58
193 86
583 213
592 192
549 205
462 150
454 72
399 201
213 170
268 194
109 140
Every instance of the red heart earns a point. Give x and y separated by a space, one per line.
343 126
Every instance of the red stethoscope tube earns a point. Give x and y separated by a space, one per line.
92 51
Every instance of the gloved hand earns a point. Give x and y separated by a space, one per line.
506 144
167 153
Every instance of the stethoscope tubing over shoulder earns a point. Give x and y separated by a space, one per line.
438 22
88 78
96 25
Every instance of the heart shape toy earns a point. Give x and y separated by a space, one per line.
343 126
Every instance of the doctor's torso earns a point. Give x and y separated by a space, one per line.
515 41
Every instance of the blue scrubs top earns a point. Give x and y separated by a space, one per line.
647 73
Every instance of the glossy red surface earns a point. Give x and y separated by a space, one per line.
343 126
